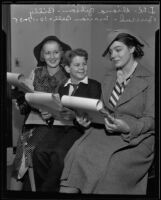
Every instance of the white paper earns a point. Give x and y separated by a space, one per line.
80 103
43 101
19 80
88 106
49 102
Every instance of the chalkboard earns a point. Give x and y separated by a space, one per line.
84 26
81 26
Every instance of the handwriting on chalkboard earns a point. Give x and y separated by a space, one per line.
119 13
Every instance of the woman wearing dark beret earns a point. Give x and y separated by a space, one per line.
46 77
116 158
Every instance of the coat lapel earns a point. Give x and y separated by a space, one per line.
107 88
82 90
65 90
135 86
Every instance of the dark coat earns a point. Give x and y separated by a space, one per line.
92 90
102 163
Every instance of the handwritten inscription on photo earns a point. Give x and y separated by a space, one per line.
90 13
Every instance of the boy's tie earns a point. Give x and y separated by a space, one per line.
75 87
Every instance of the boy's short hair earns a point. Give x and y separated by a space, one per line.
69 55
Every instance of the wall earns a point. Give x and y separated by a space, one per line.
6 66
84 26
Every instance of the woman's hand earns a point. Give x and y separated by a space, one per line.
67 114
23 108
83 120
45 115
118 126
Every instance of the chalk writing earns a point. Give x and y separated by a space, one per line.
42 10
143 9
124 19
117 9
82 9
81 13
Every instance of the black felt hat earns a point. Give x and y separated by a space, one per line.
37 50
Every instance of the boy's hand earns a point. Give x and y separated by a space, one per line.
83 120
67 114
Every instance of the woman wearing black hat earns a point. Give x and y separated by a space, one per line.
46 77
116 158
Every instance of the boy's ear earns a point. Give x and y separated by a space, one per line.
67 68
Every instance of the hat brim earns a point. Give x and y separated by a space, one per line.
113 35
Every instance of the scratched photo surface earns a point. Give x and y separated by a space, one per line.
81 26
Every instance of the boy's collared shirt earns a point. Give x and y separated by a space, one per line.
71 88
65 122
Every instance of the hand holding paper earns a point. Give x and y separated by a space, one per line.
50 103
118 126
19 80
67 114
45 115
69 107
83 120
107 115
93 108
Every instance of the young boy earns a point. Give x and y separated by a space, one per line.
48 159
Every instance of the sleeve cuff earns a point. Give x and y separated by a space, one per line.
135 128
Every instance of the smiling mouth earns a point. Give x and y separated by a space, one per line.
80 72
52 61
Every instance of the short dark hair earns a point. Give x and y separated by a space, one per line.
69 55
131 41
